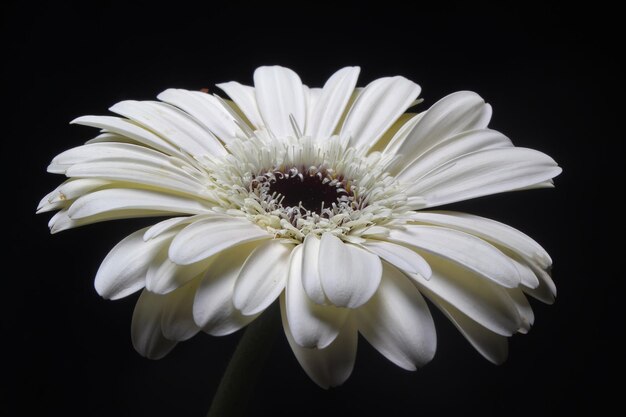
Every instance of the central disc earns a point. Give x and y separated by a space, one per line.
310 191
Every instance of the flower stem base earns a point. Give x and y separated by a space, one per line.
244 368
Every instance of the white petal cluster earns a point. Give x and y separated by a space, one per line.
231 245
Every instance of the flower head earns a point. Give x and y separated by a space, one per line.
319 198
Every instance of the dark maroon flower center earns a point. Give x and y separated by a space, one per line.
313 192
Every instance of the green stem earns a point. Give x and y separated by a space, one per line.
245 366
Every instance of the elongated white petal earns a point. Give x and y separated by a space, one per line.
495 232
490 345
172 125
108 137
455 113
145 329
402 132
524 309
50 202
528 278
462 248
206 110
130 163
310 269
397 322
403 258
124 269
129 129
461 144
311 324
76 187
349 275
71 189
177 317
262 277
130 171
106 151
171 223
378 106
546 291
244 97
207 237
483 173
62 220
116 199
331 366
312 97
332 102
485 302
279 95
164 276
213 308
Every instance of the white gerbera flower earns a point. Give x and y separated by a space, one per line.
315 197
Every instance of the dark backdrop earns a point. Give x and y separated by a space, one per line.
551 74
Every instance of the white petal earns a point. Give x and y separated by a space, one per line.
467 250
401 257
279 95
108 137
130 164
213 307
492 346
400 136
74 188
312 96
106 151
331 366
71 189
262 277
375 232
62 221
397 322
332 102
349 275
485 302
171 223
129 129
484 173
172 125
129 171
207 237
452 148
377 108
527 275
495 232
455 113
164 276
145 328
546 291
177 317
311 324
391 134
524 309
118 199
124 269
310 269
244 97
50 202
206 111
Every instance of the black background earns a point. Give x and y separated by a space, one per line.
551 74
